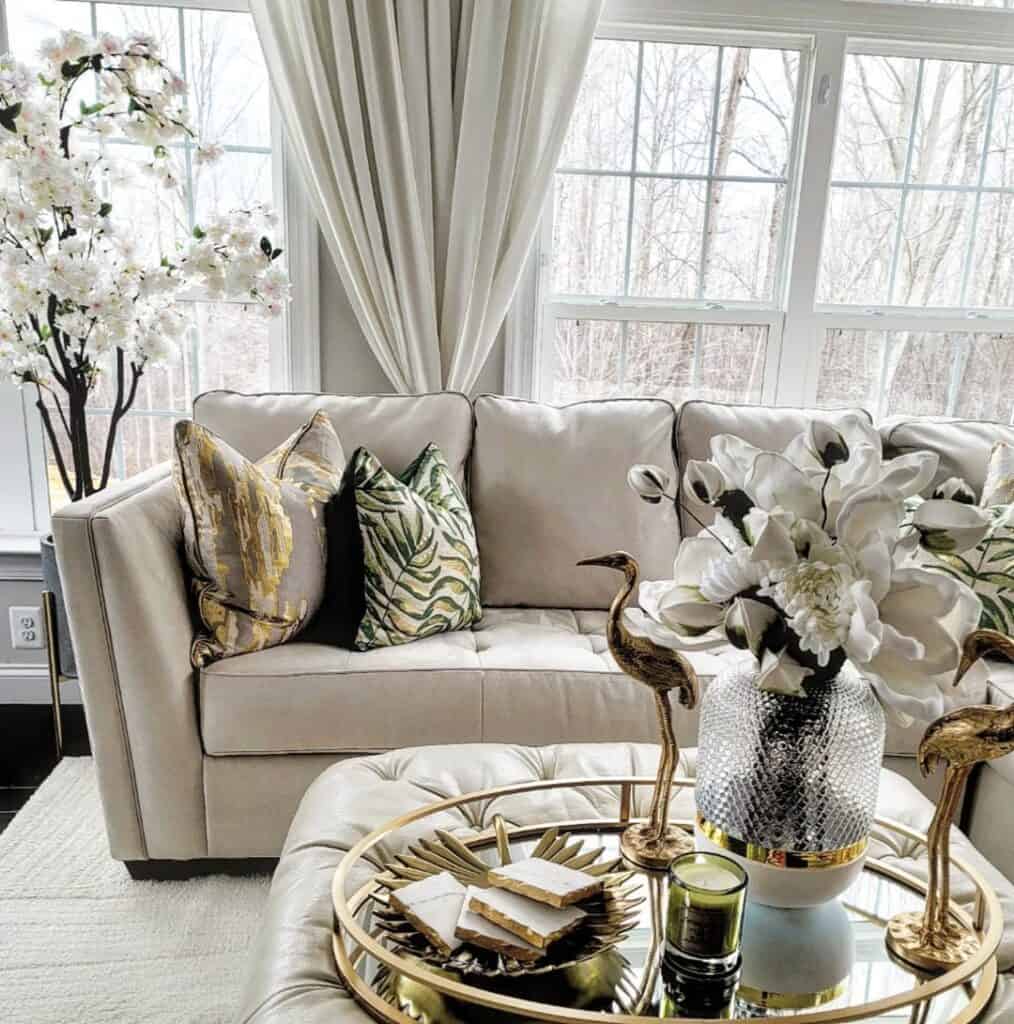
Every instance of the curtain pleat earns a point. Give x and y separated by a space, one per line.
427 132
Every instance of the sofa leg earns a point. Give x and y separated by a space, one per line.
177 870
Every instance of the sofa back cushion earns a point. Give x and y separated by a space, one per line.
767 427
393 427
963 445
548 487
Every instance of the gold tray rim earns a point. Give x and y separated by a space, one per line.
348 930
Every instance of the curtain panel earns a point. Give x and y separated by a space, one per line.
427 133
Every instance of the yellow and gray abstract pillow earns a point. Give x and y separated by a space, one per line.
420 556
254 534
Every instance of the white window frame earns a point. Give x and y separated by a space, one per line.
831 29
294 337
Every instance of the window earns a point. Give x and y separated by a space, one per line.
671 196
920 221
813 209
219 55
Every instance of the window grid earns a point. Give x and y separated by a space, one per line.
709 179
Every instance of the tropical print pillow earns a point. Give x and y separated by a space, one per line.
988 568
254 534
420 556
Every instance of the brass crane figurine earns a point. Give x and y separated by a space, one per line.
933 940
653 844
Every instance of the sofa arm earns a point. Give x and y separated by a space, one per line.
119 554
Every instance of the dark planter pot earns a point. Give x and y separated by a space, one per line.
51 576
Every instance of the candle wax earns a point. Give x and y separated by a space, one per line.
707 876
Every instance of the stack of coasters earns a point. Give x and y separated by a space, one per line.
527 908
433 906
546 882
536 923
473 927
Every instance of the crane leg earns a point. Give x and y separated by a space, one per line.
666 766
956 778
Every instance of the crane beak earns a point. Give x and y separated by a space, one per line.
606 561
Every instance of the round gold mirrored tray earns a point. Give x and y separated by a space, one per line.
624 984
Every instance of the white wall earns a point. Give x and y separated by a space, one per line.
347 366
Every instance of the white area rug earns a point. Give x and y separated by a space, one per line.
80 941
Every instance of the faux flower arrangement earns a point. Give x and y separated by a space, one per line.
809 564
77 298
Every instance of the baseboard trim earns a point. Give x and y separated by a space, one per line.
180 870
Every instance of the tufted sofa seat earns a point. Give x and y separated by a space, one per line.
292 976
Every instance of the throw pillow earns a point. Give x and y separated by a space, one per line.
999 488
254 534
420 556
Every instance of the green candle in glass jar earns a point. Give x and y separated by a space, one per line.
707 893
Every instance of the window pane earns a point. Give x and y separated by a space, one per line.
877 100
732 362
145 441
161 22
668 227
849 371
755 114
160 387
984 390
992 276
918 373
154 217
589 234
31 22
858 242
743 240
98 432
950 128
1000 156
601 132
934 241
677 104
661 360
228 79
678 361
587 363
234 348
236 181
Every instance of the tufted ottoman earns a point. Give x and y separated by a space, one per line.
293 978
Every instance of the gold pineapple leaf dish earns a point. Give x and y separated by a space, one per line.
611 915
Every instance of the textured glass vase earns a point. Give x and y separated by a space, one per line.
788 785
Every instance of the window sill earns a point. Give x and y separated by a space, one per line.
20 543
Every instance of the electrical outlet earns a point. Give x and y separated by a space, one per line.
27 629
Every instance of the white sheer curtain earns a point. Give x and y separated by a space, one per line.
427 132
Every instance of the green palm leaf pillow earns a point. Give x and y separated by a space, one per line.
989 570
420 557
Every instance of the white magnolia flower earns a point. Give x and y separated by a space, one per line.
651 483
807 565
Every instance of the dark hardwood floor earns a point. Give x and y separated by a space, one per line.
27 753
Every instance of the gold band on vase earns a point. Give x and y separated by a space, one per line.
790 1000
796 859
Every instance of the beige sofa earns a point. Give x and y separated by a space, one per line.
212 764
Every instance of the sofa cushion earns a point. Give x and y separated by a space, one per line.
767 427
548 487
393 427
520 675
963 445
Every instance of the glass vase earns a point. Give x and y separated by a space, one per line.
787 786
